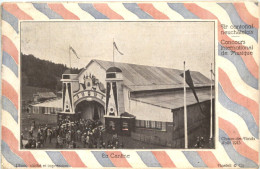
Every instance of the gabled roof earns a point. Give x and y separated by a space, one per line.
67 71
142 77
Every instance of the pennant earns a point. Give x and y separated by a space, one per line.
117 48
75 53
189 81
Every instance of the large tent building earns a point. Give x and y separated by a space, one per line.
144 102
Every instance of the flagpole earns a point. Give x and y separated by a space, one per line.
113 52
185 109
69 57
211 125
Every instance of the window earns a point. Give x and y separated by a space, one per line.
111 112
137 123
111 75
148 124
66 76
125 126
142 123
159 125
164 126
153 124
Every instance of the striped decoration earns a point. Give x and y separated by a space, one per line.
236 102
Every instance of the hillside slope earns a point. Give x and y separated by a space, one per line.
41 73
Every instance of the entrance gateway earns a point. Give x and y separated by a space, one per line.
85 97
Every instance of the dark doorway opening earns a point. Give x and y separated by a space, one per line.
92 110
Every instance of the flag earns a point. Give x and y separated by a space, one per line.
189 81
212 72
74 52
117 48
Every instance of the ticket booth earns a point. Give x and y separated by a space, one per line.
127 124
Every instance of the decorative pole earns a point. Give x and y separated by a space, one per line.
211 124
185 109
69 57
113 51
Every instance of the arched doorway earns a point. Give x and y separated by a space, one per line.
92 110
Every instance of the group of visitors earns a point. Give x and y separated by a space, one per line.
84 133
44 135
81 133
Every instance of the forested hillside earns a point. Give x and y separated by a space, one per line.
41 73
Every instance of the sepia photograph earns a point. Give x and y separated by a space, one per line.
117 85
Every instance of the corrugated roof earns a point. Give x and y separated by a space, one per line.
173 99
142 77
55 103
46 94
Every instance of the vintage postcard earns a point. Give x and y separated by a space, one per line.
130 84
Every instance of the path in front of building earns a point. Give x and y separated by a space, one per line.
128 142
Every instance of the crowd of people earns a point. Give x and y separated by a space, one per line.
44 135
68 134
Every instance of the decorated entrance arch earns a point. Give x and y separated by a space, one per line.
89 95
88 90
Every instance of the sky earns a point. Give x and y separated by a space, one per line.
164 44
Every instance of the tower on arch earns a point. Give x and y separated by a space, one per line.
82 97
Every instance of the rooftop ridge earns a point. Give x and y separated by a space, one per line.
138 77
99 60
